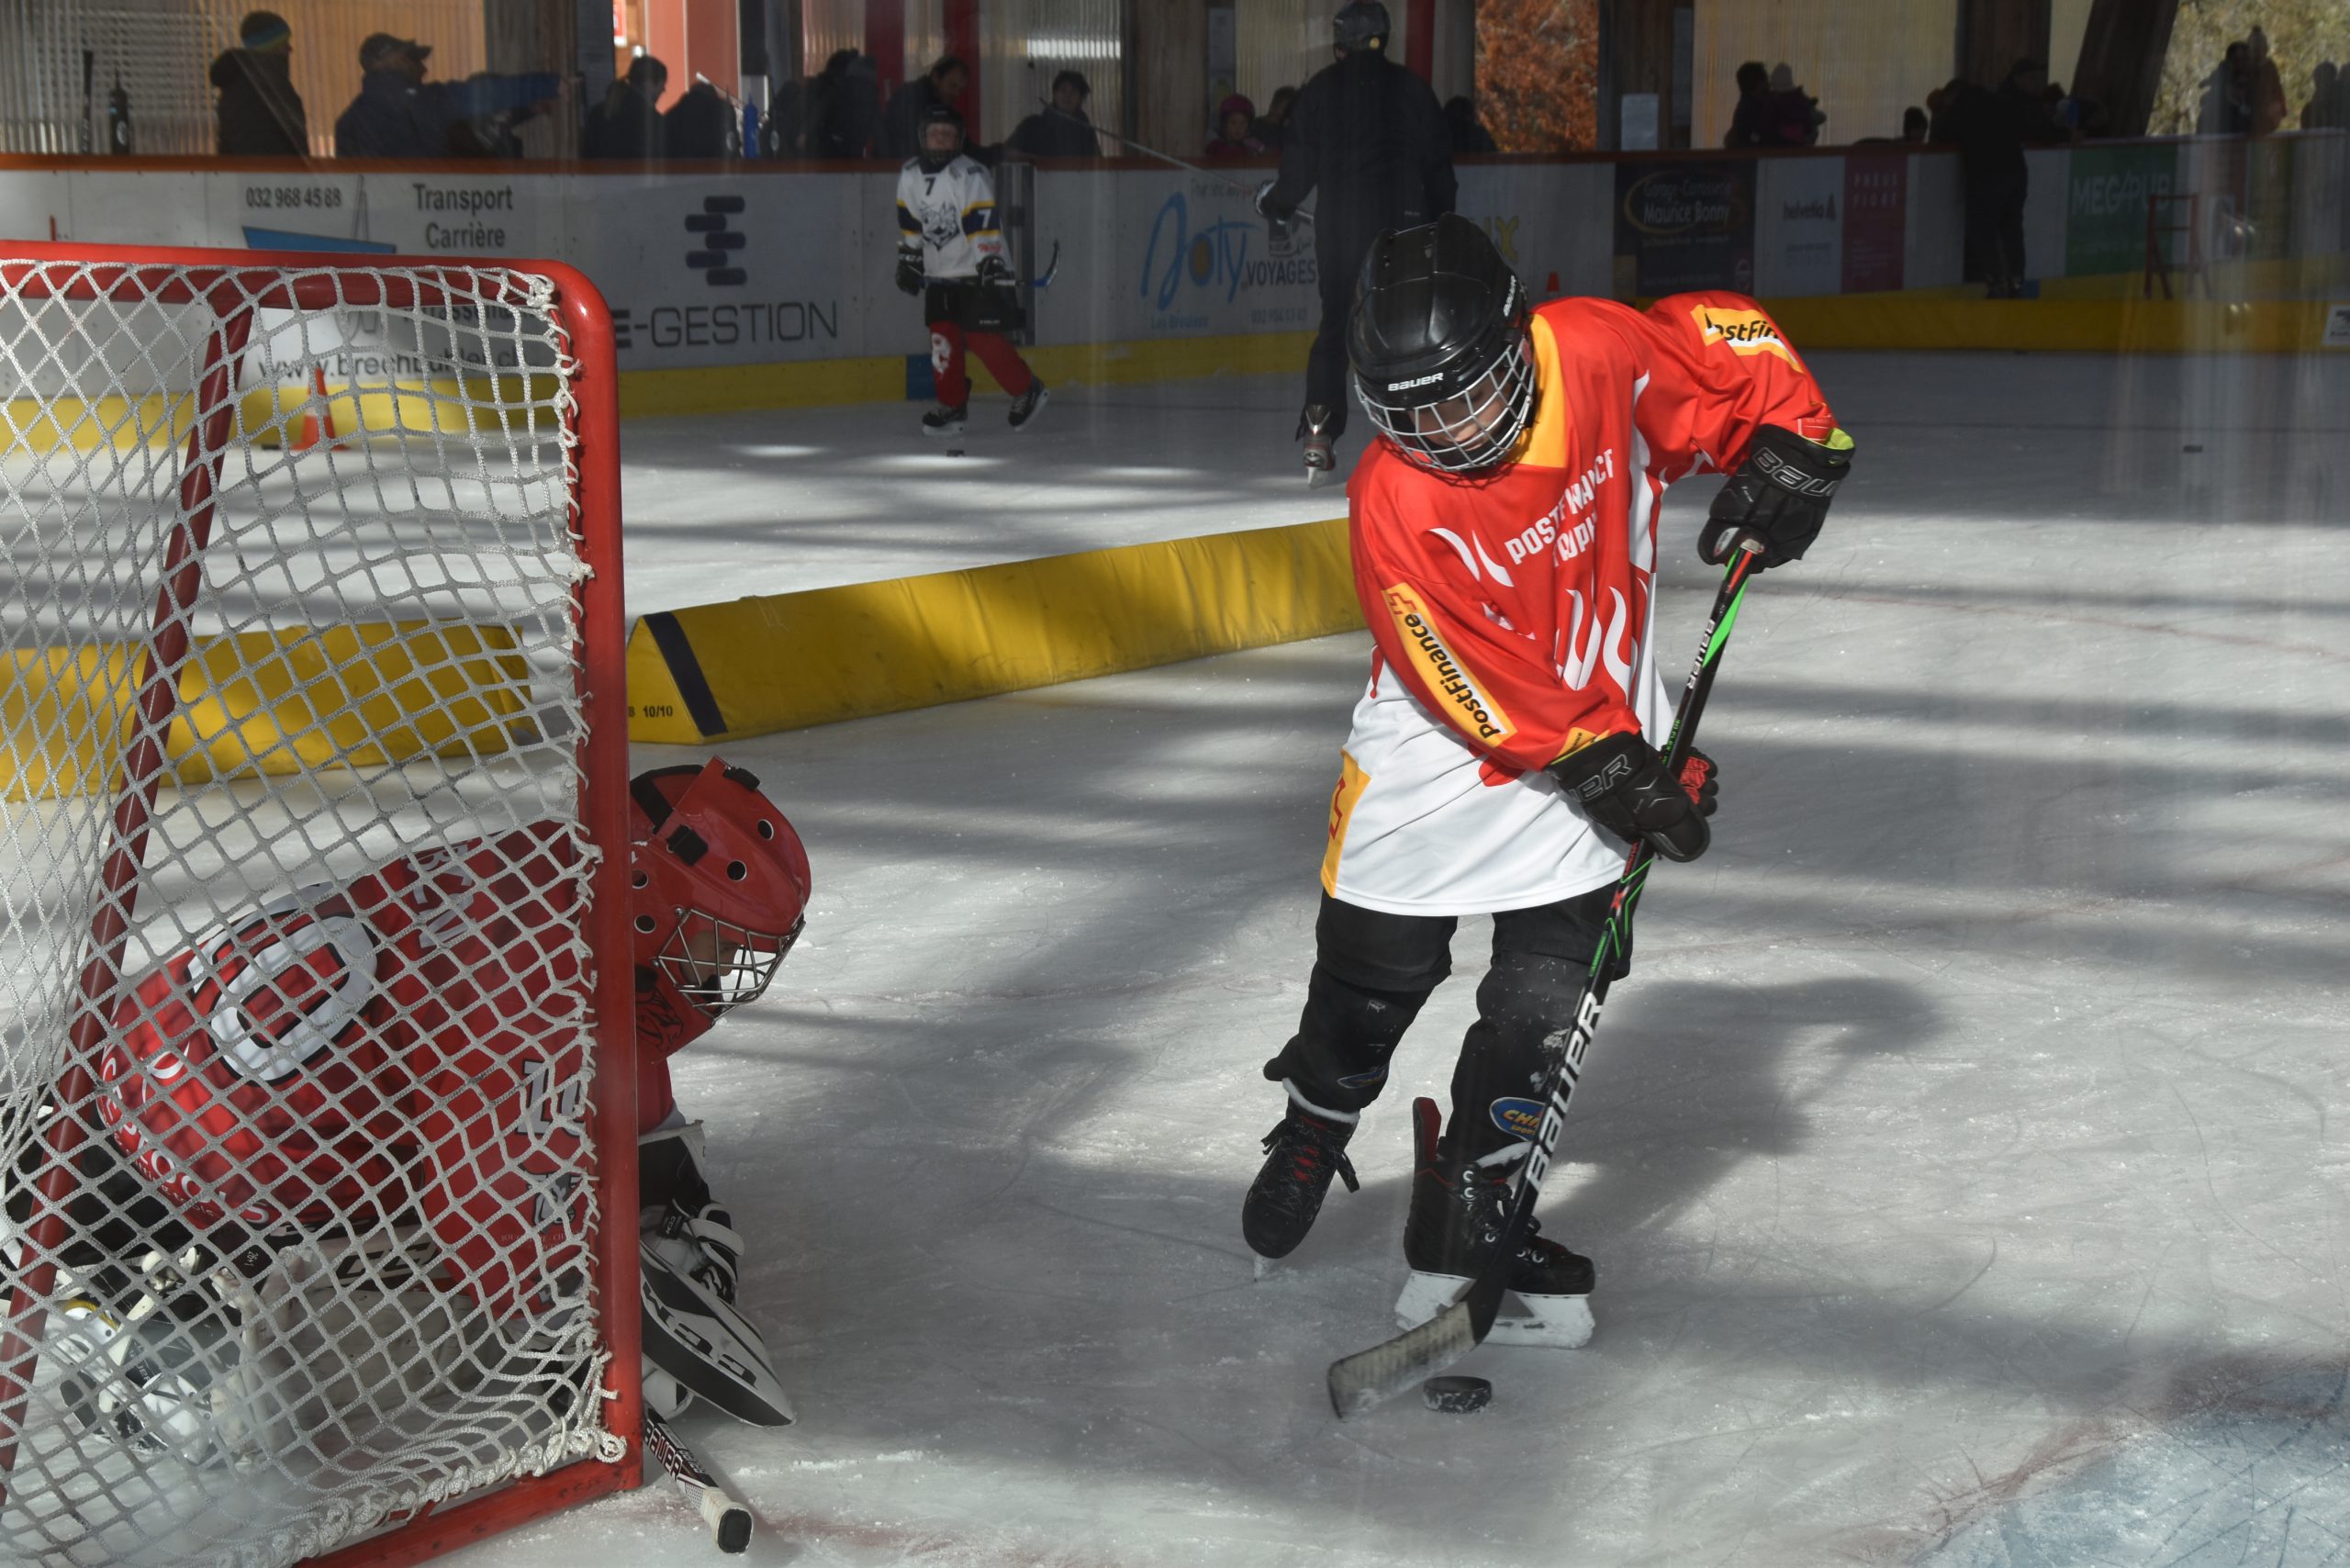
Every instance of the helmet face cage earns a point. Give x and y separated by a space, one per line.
718 965
1428 423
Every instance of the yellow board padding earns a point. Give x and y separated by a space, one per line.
2080 326
784 661
272 416
821 382
264 702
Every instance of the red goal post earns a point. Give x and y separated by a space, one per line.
243 667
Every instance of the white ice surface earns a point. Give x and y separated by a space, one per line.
720 505
1964 1163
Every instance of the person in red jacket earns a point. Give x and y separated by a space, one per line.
1504 533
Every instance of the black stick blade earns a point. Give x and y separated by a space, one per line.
1368 1377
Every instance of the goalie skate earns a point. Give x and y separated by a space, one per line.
1458 1211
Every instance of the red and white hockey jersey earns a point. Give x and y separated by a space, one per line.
1512 613
412 1044
948 217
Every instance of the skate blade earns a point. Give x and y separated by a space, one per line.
1548 1323
1316 478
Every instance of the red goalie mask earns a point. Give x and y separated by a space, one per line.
720 892
246 1079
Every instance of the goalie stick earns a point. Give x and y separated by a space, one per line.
727 1515
1367 1377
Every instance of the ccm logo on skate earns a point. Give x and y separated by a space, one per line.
1517 1117
1478 714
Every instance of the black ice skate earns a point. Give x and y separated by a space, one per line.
1321 454
1458 1211
946 419
1301 1153
1028 405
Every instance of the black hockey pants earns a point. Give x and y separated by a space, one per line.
1372 973
1337 260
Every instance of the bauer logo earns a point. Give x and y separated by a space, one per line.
1472 710
1746 331
1517 1116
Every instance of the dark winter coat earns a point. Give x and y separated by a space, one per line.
261 114
702 124
625 125
1367 139
901 122
1054 132
391 118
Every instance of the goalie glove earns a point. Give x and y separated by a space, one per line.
1621 784
1779 496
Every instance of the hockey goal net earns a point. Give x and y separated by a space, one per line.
315 1080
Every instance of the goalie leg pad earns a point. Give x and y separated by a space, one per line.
697 1337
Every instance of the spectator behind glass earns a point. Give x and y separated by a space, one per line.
1792 116
2267 93
260 113
1273 126
2323 112
1060 130
1232 138
1749 122
391 118
702 123
627 126
1469 134
849 116
901 122
2227 95
398 115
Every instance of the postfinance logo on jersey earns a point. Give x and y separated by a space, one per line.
1441 671
1746 331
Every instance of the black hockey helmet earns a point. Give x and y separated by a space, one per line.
937 114
1442 361
1360 24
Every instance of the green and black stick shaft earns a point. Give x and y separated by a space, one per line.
1364 1379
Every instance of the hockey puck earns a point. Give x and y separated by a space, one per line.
1457 1395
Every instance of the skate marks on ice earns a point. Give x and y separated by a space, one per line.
2248 1464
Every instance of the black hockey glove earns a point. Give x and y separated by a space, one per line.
909 272
995 273
1621 784
1780 495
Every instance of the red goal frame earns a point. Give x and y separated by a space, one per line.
236 284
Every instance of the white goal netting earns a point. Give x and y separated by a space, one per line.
298 1031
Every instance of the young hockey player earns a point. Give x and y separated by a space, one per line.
950 252
1503 531
392 1057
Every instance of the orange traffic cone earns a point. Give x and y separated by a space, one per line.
318 416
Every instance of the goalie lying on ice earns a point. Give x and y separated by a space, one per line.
356 1116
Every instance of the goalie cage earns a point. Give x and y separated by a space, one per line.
314 568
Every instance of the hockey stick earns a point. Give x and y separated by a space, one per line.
1052 269
1364 1379
727 1515
1249 191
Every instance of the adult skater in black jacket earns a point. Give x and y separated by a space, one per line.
1368 141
